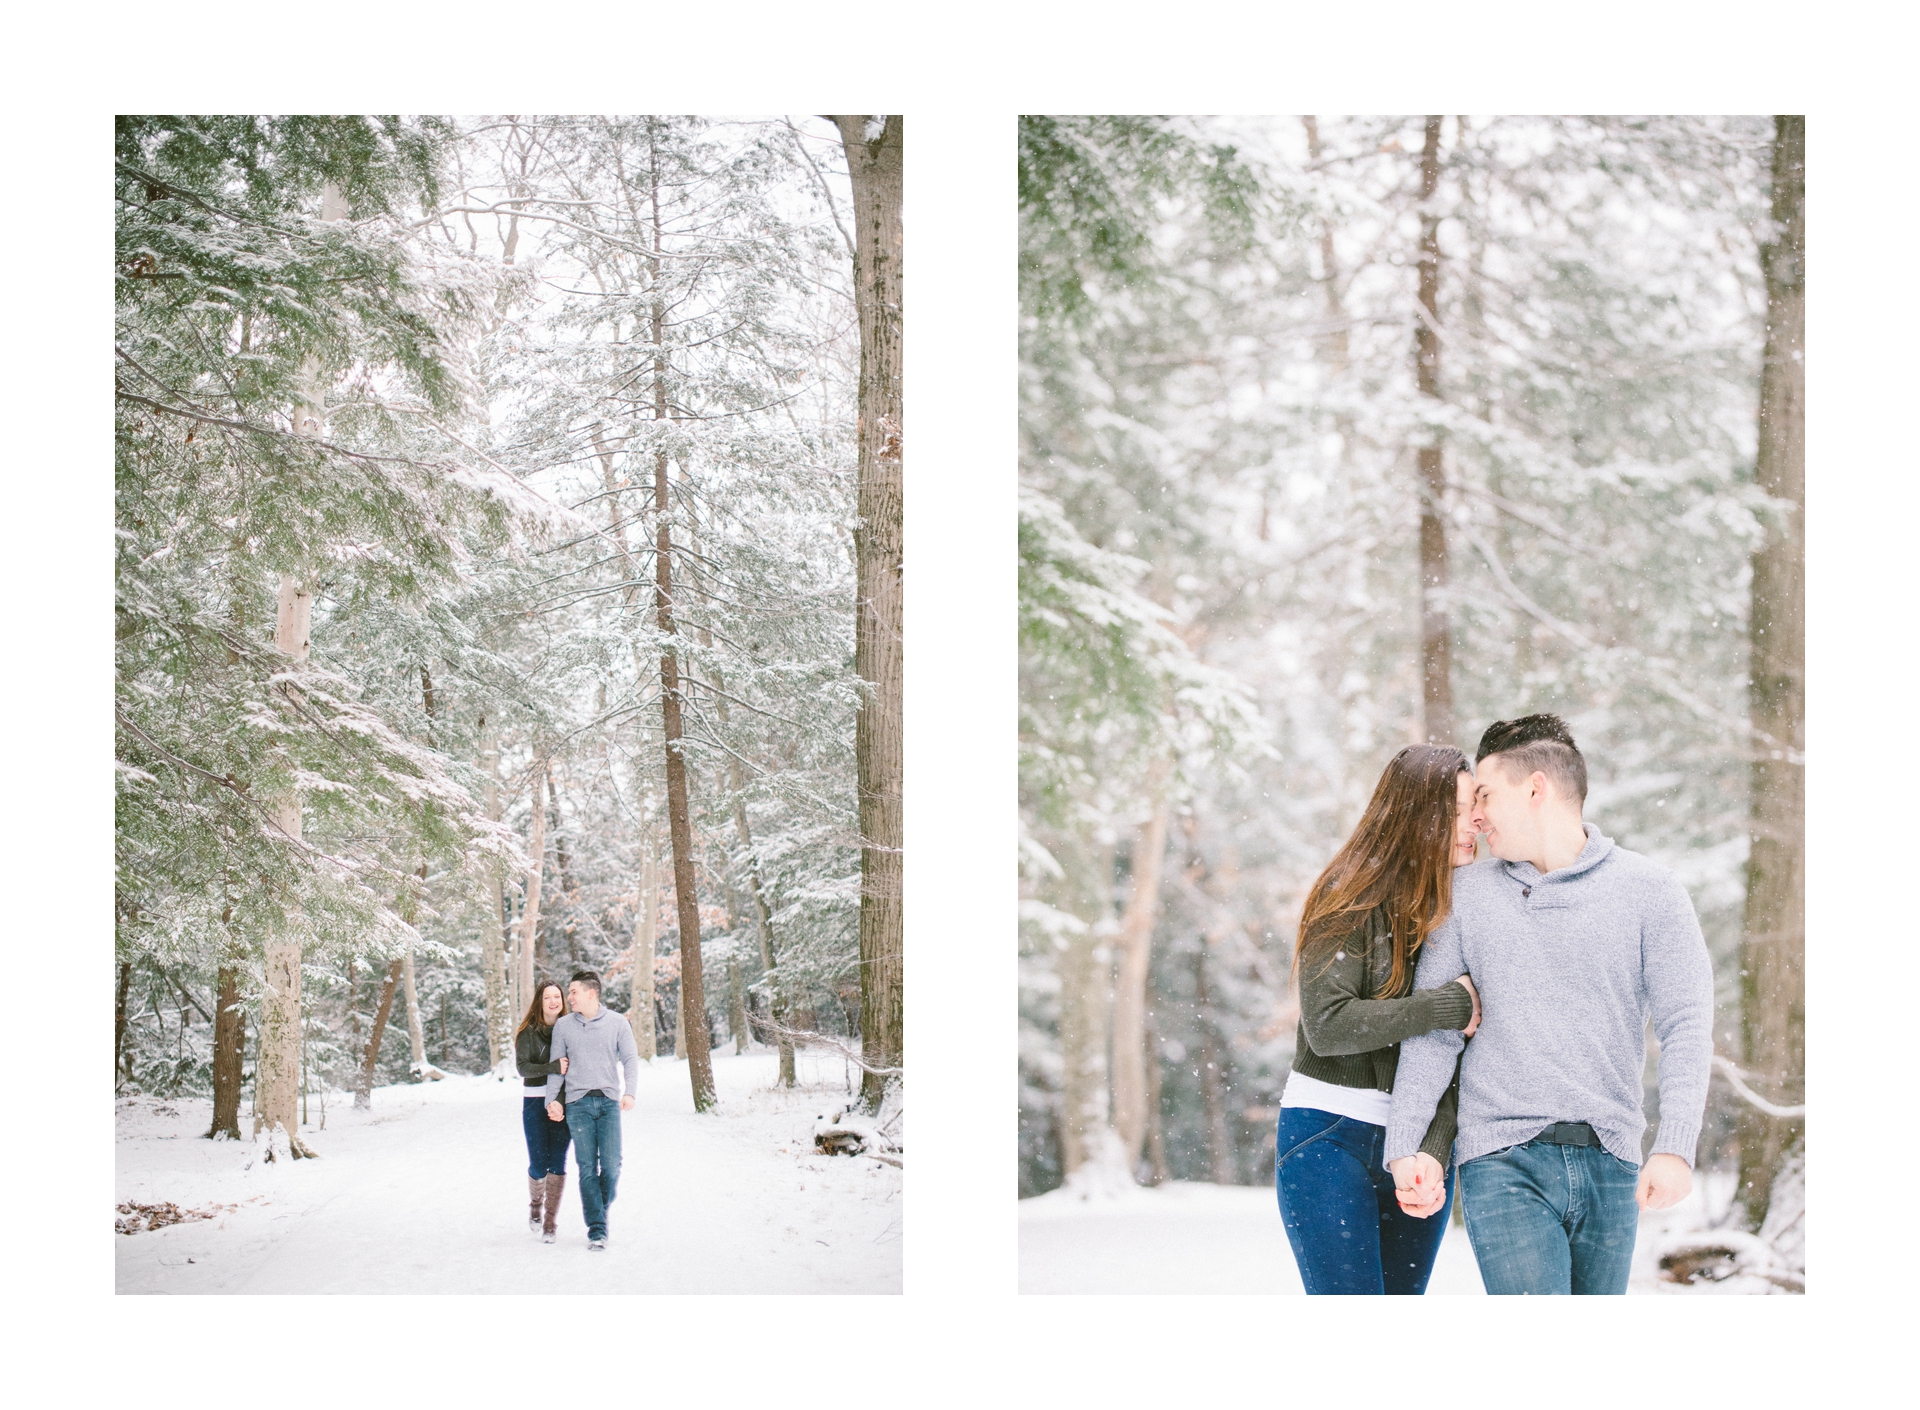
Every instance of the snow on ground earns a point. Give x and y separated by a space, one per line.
1196 1238
427 1193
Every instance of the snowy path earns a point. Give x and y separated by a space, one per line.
427 1193
1197 1238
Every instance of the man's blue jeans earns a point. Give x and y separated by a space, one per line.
1546 1218
594 1122
1346 1227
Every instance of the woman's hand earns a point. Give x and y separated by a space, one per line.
1419 1184
1466 982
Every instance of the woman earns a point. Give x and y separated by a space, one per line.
1361 930
546 1138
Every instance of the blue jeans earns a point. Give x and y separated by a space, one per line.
1347 1229
594 1121
546 1139
1545 1218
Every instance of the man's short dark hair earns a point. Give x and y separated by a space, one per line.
588 978
1538 744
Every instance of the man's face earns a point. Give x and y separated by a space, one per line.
582 999
1507 809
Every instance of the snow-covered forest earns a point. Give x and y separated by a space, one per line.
1341 433
492 501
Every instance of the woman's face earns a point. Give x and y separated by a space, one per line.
1463 819
551 1003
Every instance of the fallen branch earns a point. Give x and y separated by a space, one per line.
804 1037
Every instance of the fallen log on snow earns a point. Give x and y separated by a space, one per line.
848 1132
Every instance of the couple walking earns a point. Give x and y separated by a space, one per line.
1478 1030
571 1066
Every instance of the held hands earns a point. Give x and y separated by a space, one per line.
1466 982
555 1112
1419 1184
1665 1180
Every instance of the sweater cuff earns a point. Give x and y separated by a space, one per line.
1452 1005
1438 1145
1677 1138
1402 1139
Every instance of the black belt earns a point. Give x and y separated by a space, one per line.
1569 1133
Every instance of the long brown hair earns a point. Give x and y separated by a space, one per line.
1401 853
534 1018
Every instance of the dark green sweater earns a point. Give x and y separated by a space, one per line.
1352 1039
533 1054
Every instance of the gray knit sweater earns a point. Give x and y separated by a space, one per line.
1570 966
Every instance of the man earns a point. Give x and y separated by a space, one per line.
1573 943
590 1046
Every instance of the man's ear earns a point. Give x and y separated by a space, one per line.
1537 784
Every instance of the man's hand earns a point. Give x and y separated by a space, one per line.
1665 1180
1419 1184
1465 981
626 1102
563 1067
556 1112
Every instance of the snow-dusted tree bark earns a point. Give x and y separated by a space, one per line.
1773 938
363 1079
646 913
536 864
493 972
229 1046
1131 1088
874 160
1436 647
1086 1000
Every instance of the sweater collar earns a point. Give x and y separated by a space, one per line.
1594 853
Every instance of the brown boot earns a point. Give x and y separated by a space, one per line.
556 1186
536 1191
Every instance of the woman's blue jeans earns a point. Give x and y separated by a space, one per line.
1546 1218
546 1139
1337 1202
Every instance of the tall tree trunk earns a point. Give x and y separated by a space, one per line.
229 1040
277 1075
1130 1084
536 863
874 148
1086 998
1773 939
1213 1094
569 884
120 1017
679 818
500 1017
416 1035
763 928
1436 652
363 1085
736 1002
1337 347
640 1013
1157 1171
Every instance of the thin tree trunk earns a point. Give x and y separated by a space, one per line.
492 958
640 1013
1212 1079
120 1017
530 914
229 1043
736 1002
763 928
1773 939
679 819
569 884
363 1087
1086 997
874 148
1157 1171
1130 1083
1337 347
1436 652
